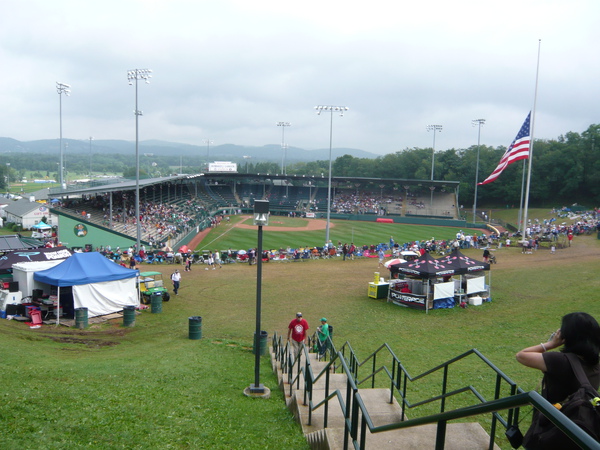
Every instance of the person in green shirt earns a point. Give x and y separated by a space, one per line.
322 336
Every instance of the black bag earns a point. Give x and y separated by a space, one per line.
581 407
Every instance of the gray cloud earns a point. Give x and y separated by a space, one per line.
229 70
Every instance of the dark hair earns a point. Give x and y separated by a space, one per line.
581 333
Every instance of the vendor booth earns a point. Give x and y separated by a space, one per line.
96 283
429 283
41 230
472 285
423 283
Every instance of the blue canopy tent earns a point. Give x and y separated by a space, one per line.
99 284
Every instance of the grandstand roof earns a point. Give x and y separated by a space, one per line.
127 184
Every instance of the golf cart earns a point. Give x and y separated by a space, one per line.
151 283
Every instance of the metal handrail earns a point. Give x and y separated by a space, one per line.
355 428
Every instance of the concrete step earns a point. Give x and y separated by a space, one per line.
459 436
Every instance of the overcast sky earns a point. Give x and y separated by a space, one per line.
228 70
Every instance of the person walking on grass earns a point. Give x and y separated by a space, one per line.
217 259
176 279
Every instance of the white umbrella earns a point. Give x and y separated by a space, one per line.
241 252
387 264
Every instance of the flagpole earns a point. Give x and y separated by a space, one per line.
520 222
537 73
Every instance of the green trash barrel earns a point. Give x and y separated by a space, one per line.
129 316
262 345
156 302
81 318
195 323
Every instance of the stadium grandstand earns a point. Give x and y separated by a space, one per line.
174 209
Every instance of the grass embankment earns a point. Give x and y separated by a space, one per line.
152 387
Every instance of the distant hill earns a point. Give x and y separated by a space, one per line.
223 152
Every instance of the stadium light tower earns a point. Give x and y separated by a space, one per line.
433 128
331 109
207 142
478 123
135 75
283 145
61 88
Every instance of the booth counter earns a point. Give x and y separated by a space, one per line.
378 290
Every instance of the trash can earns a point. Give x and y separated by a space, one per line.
156 302
129 316
195 323
262 348
81 318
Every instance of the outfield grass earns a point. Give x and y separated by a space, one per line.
152 387
361 233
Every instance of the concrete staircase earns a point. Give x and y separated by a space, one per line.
459 436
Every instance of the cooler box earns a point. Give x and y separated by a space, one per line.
475 301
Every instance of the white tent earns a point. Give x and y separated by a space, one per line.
98 284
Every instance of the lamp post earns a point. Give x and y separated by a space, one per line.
331 109
91 139
479 123
433 128
207 142
261 218
283 146
61 88
136 75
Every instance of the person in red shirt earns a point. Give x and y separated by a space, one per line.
297 331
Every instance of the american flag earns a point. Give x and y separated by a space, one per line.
519 149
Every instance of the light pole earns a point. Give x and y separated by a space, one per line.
283 145
207 142
479 123
135 75
261 218
61 88
91 139
331 109
433 128
247 157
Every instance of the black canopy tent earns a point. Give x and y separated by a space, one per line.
30 255
421 295
468 268
427 269
425 266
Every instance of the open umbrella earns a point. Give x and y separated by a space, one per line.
387 264
241 252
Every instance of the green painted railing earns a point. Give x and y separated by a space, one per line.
345 361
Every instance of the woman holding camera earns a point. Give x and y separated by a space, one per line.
579 334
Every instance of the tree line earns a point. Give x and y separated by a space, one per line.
564 170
